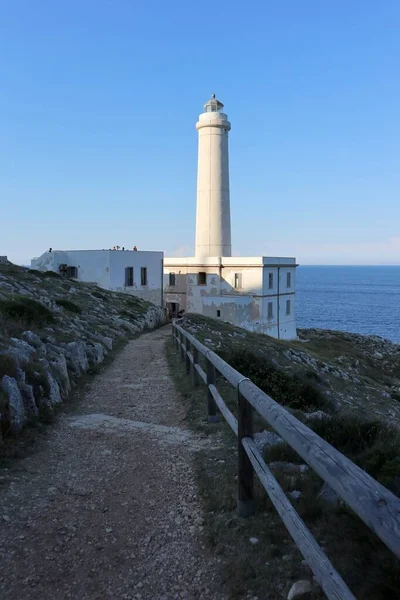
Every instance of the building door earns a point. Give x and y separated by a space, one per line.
173 309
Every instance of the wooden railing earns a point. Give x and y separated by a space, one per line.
373 503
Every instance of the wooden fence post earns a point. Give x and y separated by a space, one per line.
211 406
187 362
245 507
180 346
195 354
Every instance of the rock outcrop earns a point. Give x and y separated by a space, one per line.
52 331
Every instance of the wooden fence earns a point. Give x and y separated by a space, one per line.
373 503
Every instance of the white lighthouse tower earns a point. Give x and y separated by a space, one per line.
254 292
213 216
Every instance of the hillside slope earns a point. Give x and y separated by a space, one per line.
52 331
356 373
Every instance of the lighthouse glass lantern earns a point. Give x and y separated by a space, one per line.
213 105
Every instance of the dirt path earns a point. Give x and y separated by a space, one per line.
107 508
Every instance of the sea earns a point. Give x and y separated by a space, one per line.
358 299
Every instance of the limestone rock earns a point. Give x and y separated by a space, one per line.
295 494
95 353
318 414
301 589
266 438
29 400
60 372
328 495
17 409
77 361
32 339
25 348
55 395
289 468
105 341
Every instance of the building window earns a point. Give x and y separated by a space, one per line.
129 276
172 279
270 313
218 313
288 307
288 280
202 278
143 275
72 272
270 280
238 281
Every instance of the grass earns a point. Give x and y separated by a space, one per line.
68 305
26 310
368 567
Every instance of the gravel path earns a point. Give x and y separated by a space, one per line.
107 506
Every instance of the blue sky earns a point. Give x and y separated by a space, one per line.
98 105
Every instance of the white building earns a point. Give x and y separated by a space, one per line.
139 273
255 293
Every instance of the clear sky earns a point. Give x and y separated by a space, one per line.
98 105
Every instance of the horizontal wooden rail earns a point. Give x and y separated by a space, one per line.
201 372
373 503
325 573
229 417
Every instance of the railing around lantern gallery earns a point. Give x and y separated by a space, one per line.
373 503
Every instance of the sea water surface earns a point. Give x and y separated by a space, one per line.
362 300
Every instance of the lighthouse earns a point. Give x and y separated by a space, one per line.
213 216
253 292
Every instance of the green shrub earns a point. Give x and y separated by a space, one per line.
289 390
68 305
26 310
370 444
98 295
36 272
51 274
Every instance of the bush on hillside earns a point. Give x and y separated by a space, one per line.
26 310
51 274
36 272
372 445
68 305
288 390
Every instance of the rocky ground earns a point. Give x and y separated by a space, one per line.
107 507
53 331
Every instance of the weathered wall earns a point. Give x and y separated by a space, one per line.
153 261
92 265
107 269
246 306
